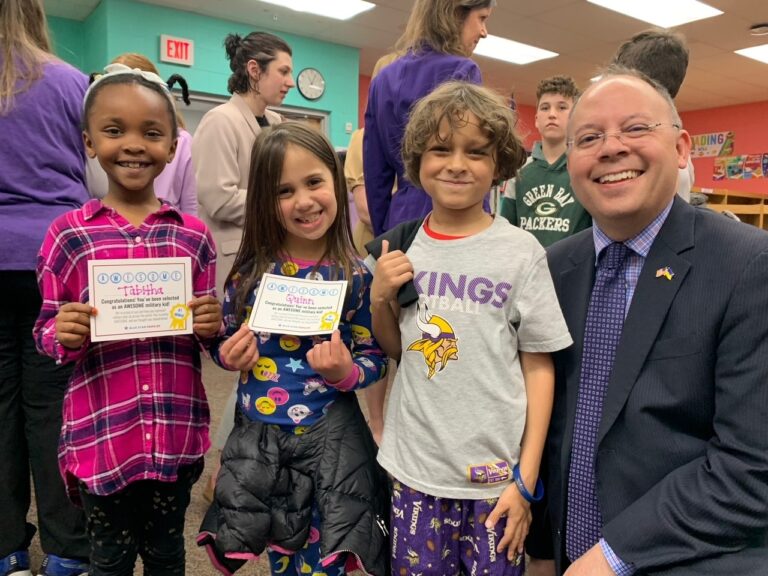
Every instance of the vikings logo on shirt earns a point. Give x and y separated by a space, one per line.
438 343
490 473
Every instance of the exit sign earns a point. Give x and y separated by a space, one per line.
177 50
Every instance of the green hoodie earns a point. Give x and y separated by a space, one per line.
544 203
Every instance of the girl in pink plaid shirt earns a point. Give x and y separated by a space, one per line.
135 416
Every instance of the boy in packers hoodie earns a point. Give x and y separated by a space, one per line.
541 200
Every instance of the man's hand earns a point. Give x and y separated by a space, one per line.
592 563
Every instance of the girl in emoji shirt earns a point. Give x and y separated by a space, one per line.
296 225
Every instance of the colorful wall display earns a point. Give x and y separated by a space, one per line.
744 167
712 144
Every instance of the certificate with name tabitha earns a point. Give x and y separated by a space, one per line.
297 306
140 298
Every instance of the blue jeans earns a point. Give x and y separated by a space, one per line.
31 393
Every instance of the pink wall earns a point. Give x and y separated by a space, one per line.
525 125
749 123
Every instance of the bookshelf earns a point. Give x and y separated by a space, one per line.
750 207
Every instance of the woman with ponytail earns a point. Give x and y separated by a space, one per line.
262 75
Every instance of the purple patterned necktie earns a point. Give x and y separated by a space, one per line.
605 319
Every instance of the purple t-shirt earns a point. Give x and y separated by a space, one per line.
391 96
43 162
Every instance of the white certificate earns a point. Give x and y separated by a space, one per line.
297 306
140 298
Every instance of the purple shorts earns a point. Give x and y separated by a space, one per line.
445 537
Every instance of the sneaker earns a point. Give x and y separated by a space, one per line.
57 566
16 564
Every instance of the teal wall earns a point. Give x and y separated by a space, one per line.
96 33
118 26
67 37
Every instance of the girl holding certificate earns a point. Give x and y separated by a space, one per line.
135 414
298 472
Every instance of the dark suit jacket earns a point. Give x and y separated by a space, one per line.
682 448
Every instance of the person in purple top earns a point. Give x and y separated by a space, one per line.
438 40
42 176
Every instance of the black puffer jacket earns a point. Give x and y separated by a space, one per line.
270 479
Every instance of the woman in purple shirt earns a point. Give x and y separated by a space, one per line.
438 40
42 176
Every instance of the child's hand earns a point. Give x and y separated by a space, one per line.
393 269
240 351
331 358
73 324
206 316
518 512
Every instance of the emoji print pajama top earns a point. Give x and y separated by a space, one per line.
282 388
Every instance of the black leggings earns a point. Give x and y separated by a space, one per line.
146 519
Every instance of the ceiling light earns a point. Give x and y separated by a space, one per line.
759 29
338 9
511 51
759 53
661 12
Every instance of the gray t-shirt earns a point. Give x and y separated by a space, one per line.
456 412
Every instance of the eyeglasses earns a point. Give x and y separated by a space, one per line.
592 140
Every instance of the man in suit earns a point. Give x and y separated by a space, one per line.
676 475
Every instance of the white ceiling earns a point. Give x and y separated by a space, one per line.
583 34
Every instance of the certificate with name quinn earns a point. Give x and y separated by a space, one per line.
297 306
140 298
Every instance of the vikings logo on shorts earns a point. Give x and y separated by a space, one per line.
438 343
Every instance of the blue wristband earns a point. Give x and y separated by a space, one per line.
538 493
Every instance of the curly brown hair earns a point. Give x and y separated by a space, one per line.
451 102
562 85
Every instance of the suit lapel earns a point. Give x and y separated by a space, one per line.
574 290
650 304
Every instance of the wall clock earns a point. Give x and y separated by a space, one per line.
311 83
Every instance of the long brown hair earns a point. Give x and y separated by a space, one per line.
264 234
25 48
438 24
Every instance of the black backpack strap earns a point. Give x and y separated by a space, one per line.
400 238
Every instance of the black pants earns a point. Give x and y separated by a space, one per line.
146 519
31 393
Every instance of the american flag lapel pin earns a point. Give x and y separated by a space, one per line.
665 272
